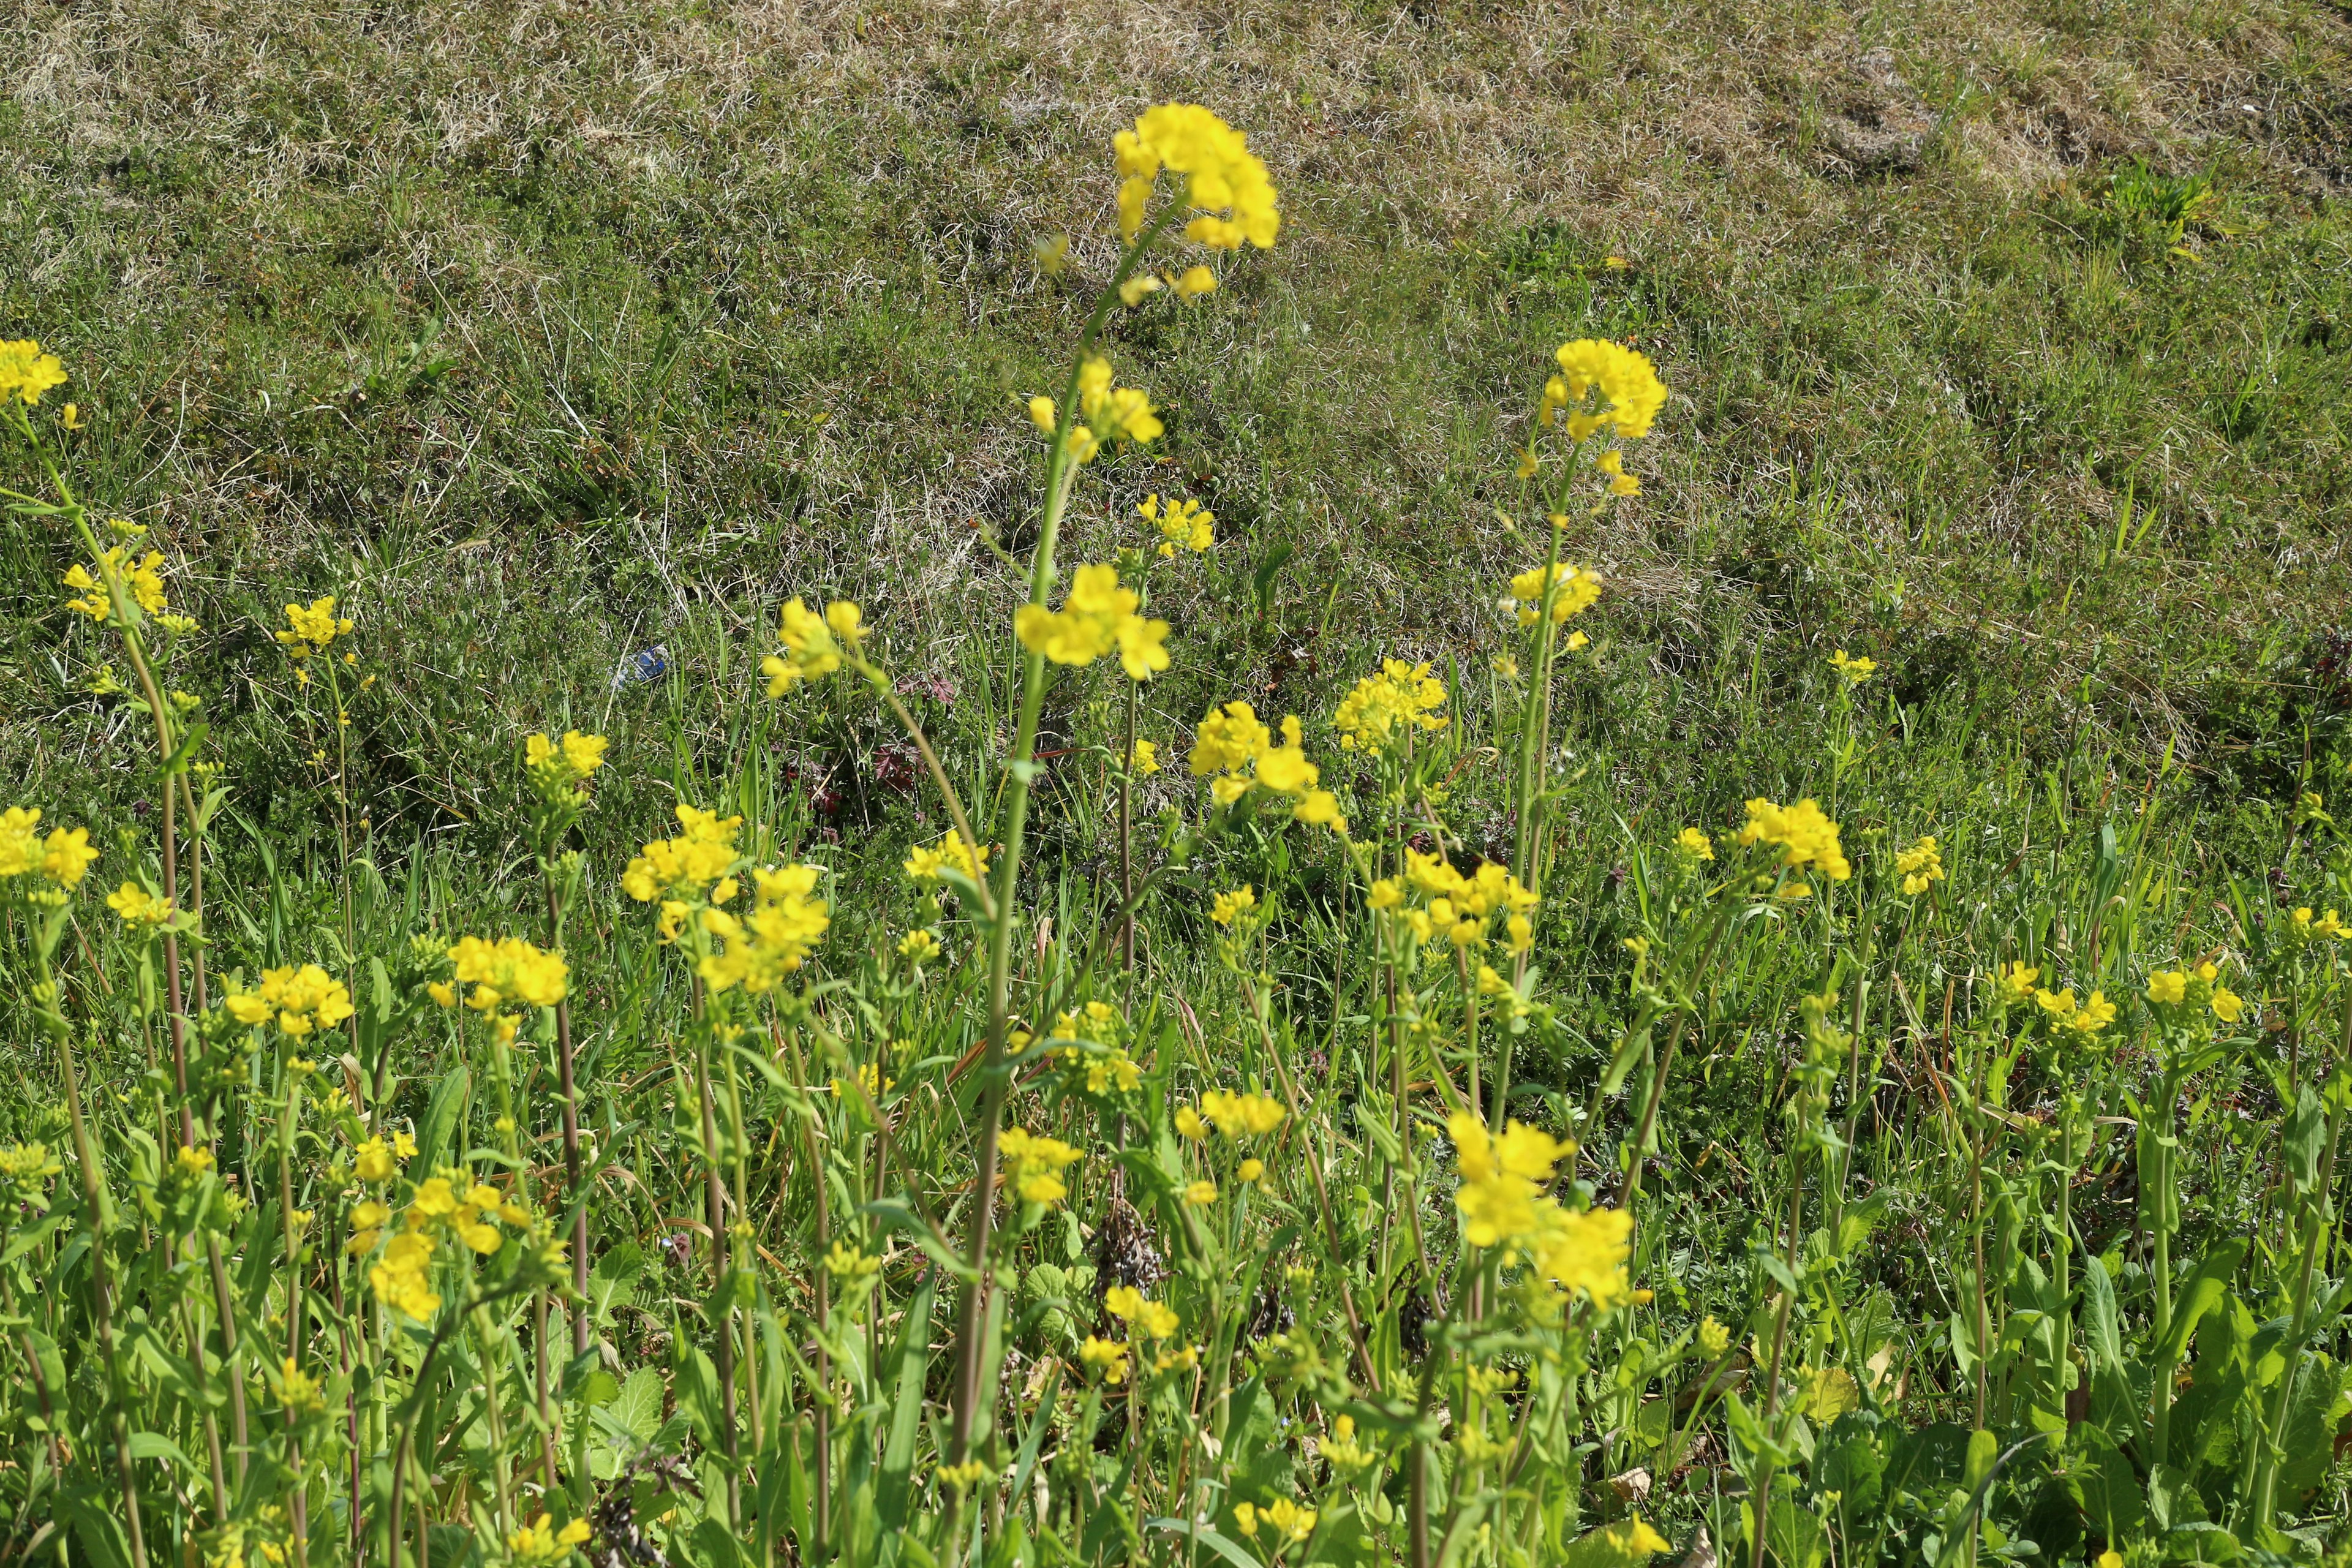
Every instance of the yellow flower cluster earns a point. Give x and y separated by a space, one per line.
1224 183
1694 844
1230 743
813 643
1241 1115
1182 524
1232 906
2085 1018
1855 671
510 969
1627 384
925 862
1574 591
1108 412
1284 1518
62 858
143 578
1033 1165
541 1541
310 630
1109 1069
1383 709
137 906
1147 1319
558 767
1457 905
1109 1355
1808 838
25 372
686 864
786 921
2199 988
402 1278
1097 617
1503 1204
303 1000
1919 865
376 1161
2330 924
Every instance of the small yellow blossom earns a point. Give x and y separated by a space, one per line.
1231 906
1694 844
1855 671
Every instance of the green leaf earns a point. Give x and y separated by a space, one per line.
914 1354
1630 1543
441 1114
2200 1294
155 1446
1223 1545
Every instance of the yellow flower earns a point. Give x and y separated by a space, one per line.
1193 282
193 1160
1224 183
1713 1339
137 906
1041 415
1612 463
1188 1124
1694 844
1629 1541
1133 292
814 644
2017 981
1918 866
2227 1005
1808 838
1242 1115
2167 988
1098 617
1182 524
1152 1319
1573 590
1626 380
540 1541
1034 1164
303 1000
312 629
25 372
507 970
1201 1193
1144 759
919 947
1110 412
924 863
1231 907
143 578
964 1476
685 865
1292 1522
1855 671
783 928
1383 707
1052 255
400 1279
1109 1355
1250 1170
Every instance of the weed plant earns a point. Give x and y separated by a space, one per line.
1402 1136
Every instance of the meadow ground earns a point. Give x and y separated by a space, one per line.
562 342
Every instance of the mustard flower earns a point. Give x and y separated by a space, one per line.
510 969
1855 671
25 372
1242 1115
1621 483
1920 865
1224 183
1106 413
919 947
541 1541
143 578
1107 1356
310 630
1574 590
2167 988
688 864
137 906
1052 256
1626 380
814 644
1806 836
1230 906
1694 844
1201 1193
1183 523
1098 617
1144 758
1151 1320
1382 707
303 1000
784 925
1034 1164
925 863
